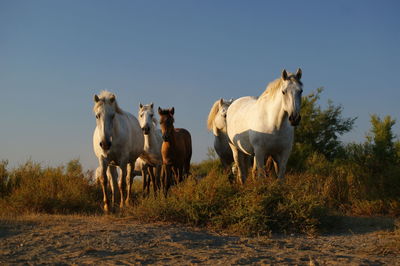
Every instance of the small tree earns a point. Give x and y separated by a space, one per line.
319 131
375 163
381 139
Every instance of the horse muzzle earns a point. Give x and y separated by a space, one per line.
146 130
294 120
165 138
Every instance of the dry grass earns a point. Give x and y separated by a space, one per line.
302 203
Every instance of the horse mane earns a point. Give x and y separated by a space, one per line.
105 97
274 86
211 116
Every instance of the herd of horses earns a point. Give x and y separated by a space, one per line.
248 130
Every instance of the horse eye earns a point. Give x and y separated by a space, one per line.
283 92
97 116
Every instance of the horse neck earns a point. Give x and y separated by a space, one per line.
272 107
222 134
150 140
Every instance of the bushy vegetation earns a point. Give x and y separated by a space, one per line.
364 177
324 177
258 207
33 188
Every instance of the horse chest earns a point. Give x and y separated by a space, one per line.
276 140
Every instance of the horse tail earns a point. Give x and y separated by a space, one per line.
211 116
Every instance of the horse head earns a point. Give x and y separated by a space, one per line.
105 109
292 88
166 122
220 118
147 120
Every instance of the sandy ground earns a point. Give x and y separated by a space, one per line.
106 240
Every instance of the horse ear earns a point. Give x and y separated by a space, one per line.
96 98
159 110
172 111
140 105
284 74
221 102
299 73
112 98
152 105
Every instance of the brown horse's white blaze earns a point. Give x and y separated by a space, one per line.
176 149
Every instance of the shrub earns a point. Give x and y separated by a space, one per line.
33 188
257 207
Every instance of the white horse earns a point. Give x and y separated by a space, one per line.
264 126
216 123
117 141
150 165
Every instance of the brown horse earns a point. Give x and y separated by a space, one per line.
176 149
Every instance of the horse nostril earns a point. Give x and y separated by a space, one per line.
105 145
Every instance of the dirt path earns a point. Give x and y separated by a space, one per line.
107 240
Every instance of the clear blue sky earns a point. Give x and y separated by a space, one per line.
55 55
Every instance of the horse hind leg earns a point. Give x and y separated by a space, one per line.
241 164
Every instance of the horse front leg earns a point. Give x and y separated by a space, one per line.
163 178
130 175
166 178
157 173
122 183
152 174
280 162
112 175
258 166
103 181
